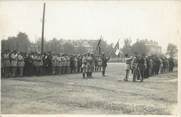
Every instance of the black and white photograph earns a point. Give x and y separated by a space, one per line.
90 57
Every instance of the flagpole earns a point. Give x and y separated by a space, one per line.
43 23
118 53
99 46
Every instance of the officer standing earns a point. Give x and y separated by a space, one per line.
13 58
171 64
6 61
21 64
134 67
54 62
141 67
89 65
128 66
83 66
104 63
99 63
71 64
150 66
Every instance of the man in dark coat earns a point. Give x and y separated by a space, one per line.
28 68
146 72
71 64
128 66
157 65
171 64
104 63
141 67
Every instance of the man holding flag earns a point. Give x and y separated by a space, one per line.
104 59
104 63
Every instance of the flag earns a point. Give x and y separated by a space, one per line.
117 48
117 52
117 45
98 47
98 44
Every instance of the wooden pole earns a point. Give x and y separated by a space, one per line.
43 26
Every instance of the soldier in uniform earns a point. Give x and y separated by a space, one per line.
35 63
76 64
71 64
89 65
164 64
141 67
104 60
54 62
128 66
59 64
134 67
7 64
157 65
49 64
99 63
147 65
21 64
79 63
64 64
167 65
13 58
68 64
28 65
2 64
92 64
84 66
40 63
171 64
96 64
161 66
150 66
44 58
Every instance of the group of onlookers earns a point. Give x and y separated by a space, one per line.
145 66
18 64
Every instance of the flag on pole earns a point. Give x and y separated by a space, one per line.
117 52
98 47
117 48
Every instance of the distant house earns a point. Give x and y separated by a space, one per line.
85 43
154 48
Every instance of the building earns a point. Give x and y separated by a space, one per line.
154 48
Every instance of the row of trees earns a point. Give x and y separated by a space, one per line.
139 47
21 43
147 47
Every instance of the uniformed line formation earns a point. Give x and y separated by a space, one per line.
145 66
18 64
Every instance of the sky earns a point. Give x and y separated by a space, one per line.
152 20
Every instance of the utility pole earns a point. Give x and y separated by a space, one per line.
42 35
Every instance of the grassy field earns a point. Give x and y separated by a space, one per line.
70 94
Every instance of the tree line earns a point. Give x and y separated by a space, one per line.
21 42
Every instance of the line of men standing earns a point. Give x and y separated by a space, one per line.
89 61
142 66
18 64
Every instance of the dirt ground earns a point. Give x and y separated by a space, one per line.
70 94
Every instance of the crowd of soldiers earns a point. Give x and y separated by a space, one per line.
142 66
18 64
